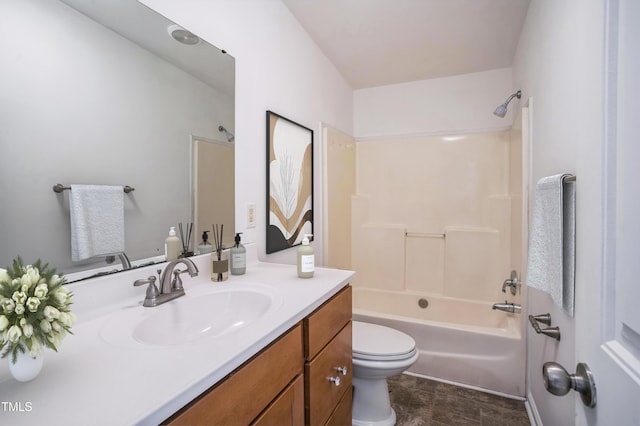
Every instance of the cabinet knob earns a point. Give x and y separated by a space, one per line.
342 370
335 380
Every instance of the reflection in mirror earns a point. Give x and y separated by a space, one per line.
96 92
213 162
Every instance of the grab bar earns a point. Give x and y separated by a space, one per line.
553 332
424 235
58 188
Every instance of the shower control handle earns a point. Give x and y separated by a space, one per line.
335 380
342 370
559 382
511 282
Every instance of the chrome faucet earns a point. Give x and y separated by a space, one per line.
169 288
511 282
124 260
507 307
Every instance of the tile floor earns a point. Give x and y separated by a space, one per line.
422 402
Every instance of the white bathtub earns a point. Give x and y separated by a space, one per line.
460 341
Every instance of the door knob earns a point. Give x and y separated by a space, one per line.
559 382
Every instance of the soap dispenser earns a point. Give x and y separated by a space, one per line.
238 257
204 246
306 258
172 245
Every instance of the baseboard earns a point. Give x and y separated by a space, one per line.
532 411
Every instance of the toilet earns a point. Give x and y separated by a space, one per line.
378 352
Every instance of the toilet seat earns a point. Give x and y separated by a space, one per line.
378 343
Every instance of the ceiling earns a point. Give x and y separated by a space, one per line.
380 42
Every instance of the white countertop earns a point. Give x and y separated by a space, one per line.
94 381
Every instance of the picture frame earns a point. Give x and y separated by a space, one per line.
289 182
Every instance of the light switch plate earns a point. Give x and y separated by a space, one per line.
251 215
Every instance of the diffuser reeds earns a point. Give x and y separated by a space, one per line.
185 238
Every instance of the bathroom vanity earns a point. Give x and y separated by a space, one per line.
282 355
304 377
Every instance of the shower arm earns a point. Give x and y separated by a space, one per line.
518 94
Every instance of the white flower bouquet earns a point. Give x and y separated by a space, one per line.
34 309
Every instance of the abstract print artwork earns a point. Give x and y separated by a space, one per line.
289 182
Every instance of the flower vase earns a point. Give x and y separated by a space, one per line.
26 368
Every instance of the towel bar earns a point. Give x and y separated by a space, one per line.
58 188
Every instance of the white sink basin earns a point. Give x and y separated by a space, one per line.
188 319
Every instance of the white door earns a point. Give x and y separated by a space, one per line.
608 333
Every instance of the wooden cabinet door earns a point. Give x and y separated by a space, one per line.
287 409
241 397
342 414
322 395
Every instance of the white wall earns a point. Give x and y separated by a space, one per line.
448 105
278 68
559 63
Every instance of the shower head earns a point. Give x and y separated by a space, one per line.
501 111
230 137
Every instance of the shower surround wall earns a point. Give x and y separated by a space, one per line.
433 214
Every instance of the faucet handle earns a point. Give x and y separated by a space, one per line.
152 290
176 284
512 282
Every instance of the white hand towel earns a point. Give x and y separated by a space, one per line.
97 220
551 264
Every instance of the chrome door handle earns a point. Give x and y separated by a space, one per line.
559 382
342 370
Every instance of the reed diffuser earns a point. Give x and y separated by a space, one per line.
219 257
185 239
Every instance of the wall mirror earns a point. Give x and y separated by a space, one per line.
97 92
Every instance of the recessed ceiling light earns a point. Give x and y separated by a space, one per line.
183 36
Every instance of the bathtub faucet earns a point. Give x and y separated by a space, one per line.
507 307
511 282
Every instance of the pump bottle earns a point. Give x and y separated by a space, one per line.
204 246
172 245
238 257
306 258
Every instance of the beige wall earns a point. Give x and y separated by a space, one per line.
214 191
433 214
340 175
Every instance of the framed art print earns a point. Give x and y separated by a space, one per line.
289 182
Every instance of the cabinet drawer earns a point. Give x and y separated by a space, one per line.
249 389
342 414
287 409
326 322
322 395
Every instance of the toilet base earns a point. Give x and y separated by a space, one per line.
371 405
391 421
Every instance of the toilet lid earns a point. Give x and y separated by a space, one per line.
371 341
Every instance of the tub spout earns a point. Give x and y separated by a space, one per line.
507 307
